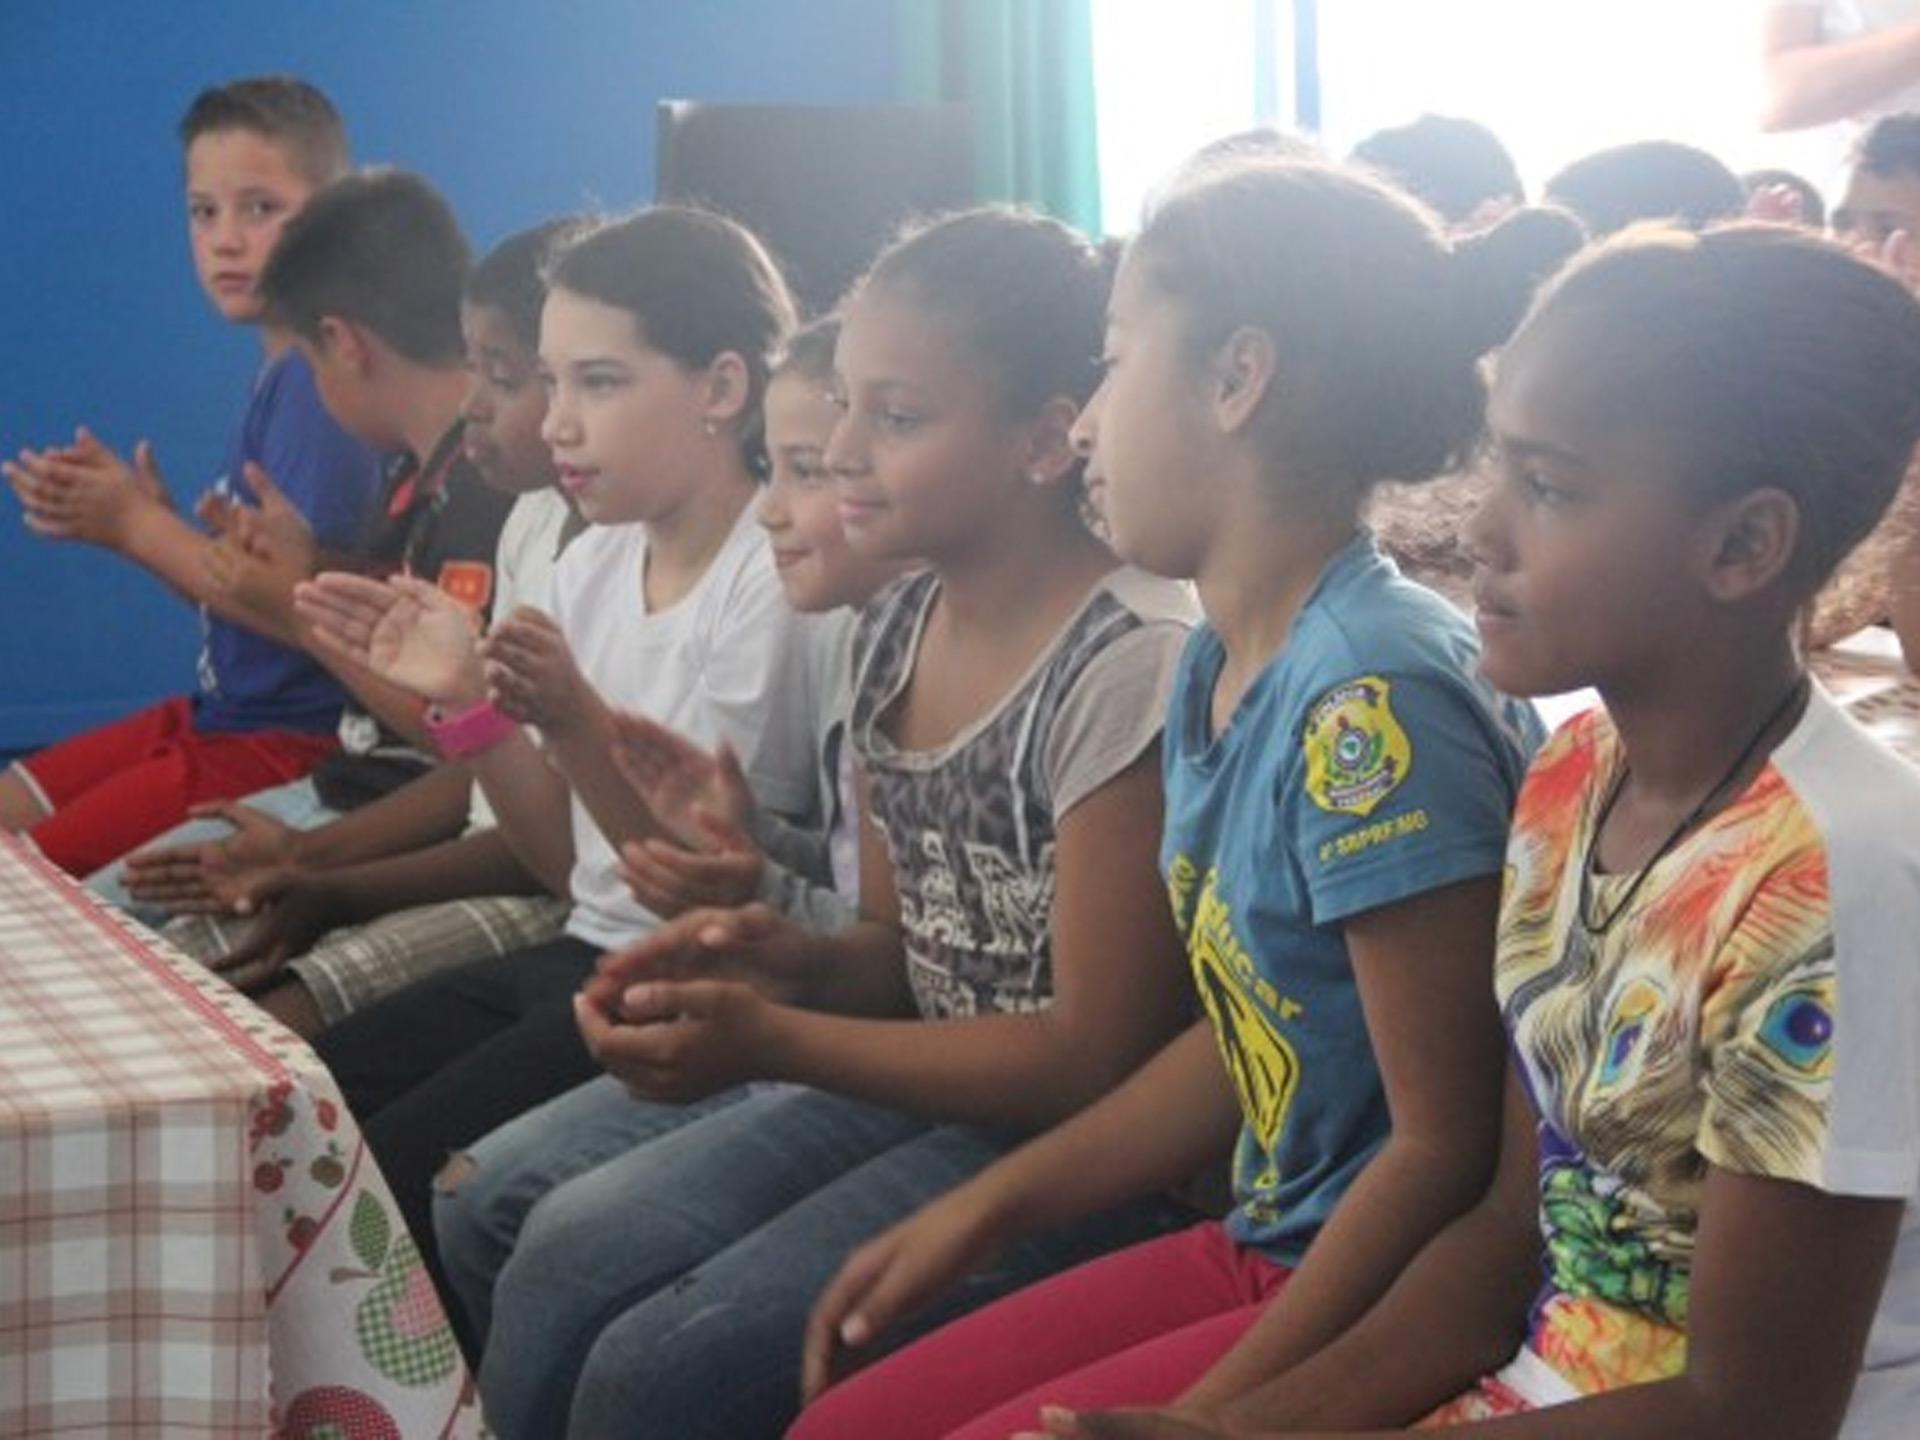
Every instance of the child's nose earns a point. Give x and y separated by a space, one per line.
843 455
476 407
228 235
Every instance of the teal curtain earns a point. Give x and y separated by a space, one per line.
1025 68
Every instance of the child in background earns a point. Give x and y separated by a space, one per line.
1458 167
263 711
655 341
1007 707
322 930
1612 188
1705 960
1338 793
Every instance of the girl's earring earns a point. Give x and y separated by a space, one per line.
1036 476
709 428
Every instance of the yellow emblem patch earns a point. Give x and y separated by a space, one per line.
1356 752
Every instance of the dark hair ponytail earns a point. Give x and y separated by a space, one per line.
1378 328
1029 292
698 286
1499 269
1766 355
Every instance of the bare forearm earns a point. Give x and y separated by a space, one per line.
165 545
858 973
584 755
478 864
1018 1071
1406 1196
534 808
1457 1313
1815 84
422 812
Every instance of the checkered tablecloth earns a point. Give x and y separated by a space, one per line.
193 1239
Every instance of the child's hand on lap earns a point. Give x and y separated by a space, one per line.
676 1041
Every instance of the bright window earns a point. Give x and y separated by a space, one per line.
1554 79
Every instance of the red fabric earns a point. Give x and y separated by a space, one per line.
117 786
1133 1328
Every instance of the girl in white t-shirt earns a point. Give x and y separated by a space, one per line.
655 342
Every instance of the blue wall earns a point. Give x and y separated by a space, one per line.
516 110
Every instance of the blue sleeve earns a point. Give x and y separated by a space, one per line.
1396 785
325 473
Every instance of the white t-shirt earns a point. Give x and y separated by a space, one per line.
729 660
523 575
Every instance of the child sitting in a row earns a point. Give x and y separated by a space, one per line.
1712 1126
316 923
262 711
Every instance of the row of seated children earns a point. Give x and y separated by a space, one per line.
316 922
1305 853
1708 1131
641 1254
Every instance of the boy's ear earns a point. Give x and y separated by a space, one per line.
728 386
1241 373
1050 453
1749 542
344 343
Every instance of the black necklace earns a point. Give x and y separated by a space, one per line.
1605 922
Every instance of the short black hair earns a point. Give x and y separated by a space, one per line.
282 108
1648 180
511 277
1890 146
382 249
1453 164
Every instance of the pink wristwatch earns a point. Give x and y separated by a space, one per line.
467 732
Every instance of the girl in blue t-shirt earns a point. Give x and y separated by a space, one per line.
1338 784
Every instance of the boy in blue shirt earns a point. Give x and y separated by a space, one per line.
262 711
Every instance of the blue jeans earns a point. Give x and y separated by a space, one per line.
664 1292
478 1218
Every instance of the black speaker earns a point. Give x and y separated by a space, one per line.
823 185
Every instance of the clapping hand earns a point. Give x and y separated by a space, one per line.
84 491
531 675
405 630
260 552
702 801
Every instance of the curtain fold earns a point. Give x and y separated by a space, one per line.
1025 68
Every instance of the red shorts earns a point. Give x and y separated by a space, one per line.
113 788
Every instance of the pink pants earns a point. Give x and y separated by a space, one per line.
1137 1327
